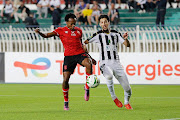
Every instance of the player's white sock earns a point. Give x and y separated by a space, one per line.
110 86
127 95
127 89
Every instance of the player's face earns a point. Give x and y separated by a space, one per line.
8 2
71 23
104 23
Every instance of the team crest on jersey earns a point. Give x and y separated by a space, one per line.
109 41
73 33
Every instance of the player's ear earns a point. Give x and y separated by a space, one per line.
100 24
109 22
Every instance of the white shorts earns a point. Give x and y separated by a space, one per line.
114 68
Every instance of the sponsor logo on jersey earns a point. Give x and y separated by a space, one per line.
73 33
66 31
111 48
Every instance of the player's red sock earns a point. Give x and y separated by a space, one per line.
65 92
87 75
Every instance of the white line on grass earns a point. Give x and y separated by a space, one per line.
91 96
157 97
9 95
171 119
74 87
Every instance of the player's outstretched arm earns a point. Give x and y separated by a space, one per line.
45 35
126 42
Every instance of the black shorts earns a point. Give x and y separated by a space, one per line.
70 62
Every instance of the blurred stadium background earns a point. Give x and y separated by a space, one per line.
152 61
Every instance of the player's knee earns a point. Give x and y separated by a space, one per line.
109 82
65 81
123 74
88 65
108 77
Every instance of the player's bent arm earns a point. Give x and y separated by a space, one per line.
85 49
86 41
45 35
126 43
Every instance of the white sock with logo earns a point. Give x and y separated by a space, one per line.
110 86
127 89
127 95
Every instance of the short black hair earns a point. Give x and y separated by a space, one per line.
70 15
103 16
52 6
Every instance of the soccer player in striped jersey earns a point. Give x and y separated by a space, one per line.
110 65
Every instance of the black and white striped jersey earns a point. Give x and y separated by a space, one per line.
107 44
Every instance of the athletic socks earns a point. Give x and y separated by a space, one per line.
127 95
110 86
123 80
65 92
86 86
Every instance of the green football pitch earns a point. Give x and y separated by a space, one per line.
45 102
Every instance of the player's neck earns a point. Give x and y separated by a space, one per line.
70 29
106 31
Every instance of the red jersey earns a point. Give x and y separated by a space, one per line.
71 40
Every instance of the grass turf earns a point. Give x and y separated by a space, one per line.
45 102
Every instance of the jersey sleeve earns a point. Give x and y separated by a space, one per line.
81 33
120 38
93 38
58 31
40 2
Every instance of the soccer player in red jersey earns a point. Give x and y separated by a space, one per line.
74 53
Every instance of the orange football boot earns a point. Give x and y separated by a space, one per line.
118 103
128 106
